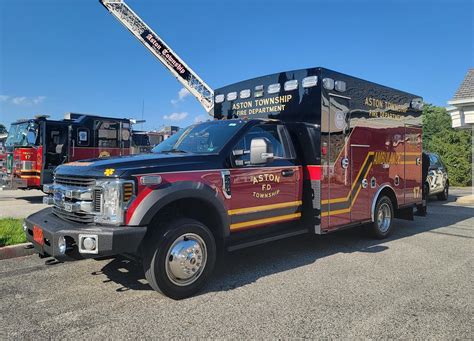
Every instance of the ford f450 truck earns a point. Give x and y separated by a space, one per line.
307 151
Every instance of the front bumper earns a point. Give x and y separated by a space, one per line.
111 240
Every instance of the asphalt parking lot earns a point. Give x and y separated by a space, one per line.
416 284
20 203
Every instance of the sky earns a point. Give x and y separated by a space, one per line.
59 56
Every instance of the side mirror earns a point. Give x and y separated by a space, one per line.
31 137
260 151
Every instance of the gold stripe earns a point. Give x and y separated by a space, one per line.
264 207
332 201
30 177
265 221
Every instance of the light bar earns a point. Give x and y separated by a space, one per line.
340 86
245 93
310 81
328 83
291 85
219 98
232 96
274 88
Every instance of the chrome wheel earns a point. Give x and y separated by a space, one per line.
186 259
384 217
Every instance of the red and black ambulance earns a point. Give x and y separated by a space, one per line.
305 151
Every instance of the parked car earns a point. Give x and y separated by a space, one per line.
437 181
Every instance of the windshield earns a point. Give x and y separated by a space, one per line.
203 138
18 134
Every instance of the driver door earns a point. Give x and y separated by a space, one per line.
268 193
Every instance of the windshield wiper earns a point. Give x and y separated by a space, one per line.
174 150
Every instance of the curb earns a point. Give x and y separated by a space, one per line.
467 199
19 250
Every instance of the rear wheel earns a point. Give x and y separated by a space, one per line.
444 195
178 261
383 216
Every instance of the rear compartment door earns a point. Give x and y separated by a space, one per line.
362 185
335 159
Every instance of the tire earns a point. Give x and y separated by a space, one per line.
383 218
161 252
443 196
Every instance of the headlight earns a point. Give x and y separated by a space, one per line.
115 199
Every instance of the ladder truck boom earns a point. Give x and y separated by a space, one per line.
183 73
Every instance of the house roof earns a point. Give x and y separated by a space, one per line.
466 89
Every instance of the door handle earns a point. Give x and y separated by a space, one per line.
287 172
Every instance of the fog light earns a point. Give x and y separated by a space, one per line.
88 243
62 245
25 227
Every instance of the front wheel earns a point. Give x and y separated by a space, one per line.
383 216
178 261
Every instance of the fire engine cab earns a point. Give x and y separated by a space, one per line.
308 151
35 147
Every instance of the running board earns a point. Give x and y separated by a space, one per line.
266 239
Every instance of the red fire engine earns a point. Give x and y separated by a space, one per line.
35 147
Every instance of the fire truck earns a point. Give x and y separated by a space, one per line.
35 147
308 151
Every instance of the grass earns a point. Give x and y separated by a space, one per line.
11 231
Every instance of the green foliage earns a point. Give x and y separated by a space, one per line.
3 129
452 145
11 231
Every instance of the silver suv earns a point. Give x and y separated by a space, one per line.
437 179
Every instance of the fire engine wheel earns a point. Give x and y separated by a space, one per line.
179 260
383 216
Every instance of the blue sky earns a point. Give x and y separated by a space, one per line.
60 56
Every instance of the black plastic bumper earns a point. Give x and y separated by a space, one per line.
111 240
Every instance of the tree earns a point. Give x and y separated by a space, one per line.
3 130
452 145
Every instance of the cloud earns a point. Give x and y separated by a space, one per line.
176 116
201 118
19 100
39 99
22 100
182 94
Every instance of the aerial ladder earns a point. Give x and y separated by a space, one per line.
183 73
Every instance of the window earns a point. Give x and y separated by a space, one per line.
273 133
107 134
83 137
203 138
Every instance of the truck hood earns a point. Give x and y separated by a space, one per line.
127 166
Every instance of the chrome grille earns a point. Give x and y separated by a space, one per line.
66 183
77 217
74 181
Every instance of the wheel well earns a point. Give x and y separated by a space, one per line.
192 208
391 194
387 191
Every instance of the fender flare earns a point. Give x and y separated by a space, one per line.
159 198
376 197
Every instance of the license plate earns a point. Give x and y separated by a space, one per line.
38 235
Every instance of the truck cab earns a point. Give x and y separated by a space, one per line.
305 151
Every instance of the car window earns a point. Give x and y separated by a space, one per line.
267 131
